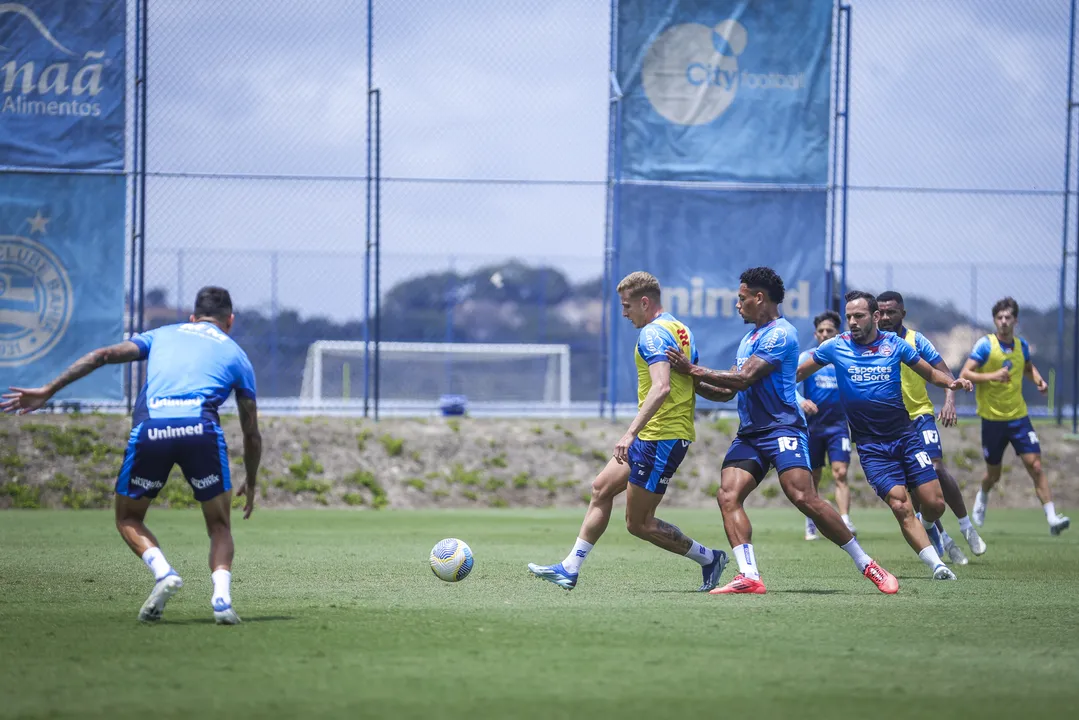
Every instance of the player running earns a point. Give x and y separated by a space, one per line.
997 365
920 407
192 369
891 451
771 432
647 456
828 434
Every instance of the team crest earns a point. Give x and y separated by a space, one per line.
885 350
35 300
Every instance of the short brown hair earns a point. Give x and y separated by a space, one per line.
1007 303
640 283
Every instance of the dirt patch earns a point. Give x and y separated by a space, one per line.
72 461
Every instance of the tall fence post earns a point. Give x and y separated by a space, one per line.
274 311
1069 107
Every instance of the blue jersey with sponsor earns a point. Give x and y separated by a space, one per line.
771 403
870 383
822 390
192 370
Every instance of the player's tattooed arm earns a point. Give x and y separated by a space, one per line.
249 425
24 400
940 379
752 370
970 372
711 392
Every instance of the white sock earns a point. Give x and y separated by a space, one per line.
700 553
1050 511
846 520
155 560
929 557
222 582
810 525
577 556
925 523
858 555
747 562
964 524
982 498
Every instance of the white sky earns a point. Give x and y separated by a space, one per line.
960 94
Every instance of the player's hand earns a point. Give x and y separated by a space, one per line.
1002 375
678 360
948 416
23 400
1043 387
621 450
962 384
809 407
247 489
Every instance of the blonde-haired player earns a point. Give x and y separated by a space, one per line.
649 453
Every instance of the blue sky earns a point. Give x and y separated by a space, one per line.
946 94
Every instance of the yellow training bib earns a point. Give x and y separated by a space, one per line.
674 419
1002 401
915 396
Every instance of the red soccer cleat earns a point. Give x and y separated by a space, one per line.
883 579
741 585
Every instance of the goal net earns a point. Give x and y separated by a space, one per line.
424 372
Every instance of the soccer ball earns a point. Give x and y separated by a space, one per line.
451 560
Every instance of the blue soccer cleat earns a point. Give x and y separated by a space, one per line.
713 571
554 574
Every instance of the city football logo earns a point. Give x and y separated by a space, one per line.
691 72
35 298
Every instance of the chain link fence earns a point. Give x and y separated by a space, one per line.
493 163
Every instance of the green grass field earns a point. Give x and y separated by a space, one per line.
342 617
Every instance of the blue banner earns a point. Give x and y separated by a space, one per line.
709 236
725 90
62 84
61 278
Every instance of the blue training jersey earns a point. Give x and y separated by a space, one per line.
870 384
192 370
771 403
822 390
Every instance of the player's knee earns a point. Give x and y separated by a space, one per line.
727 498
1034 464
899 507
602 490
839 474
635 526
933 508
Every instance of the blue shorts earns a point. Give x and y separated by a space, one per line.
896 462
784 449
197 445
830 440
997 434
652 462
927 428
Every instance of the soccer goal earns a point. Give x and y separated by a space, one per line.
424 372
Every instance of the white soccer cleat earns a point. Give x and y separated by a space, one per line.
1059 525
942 572
811 530
224 614
163 590
977 516
977 545
954 553
850 526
